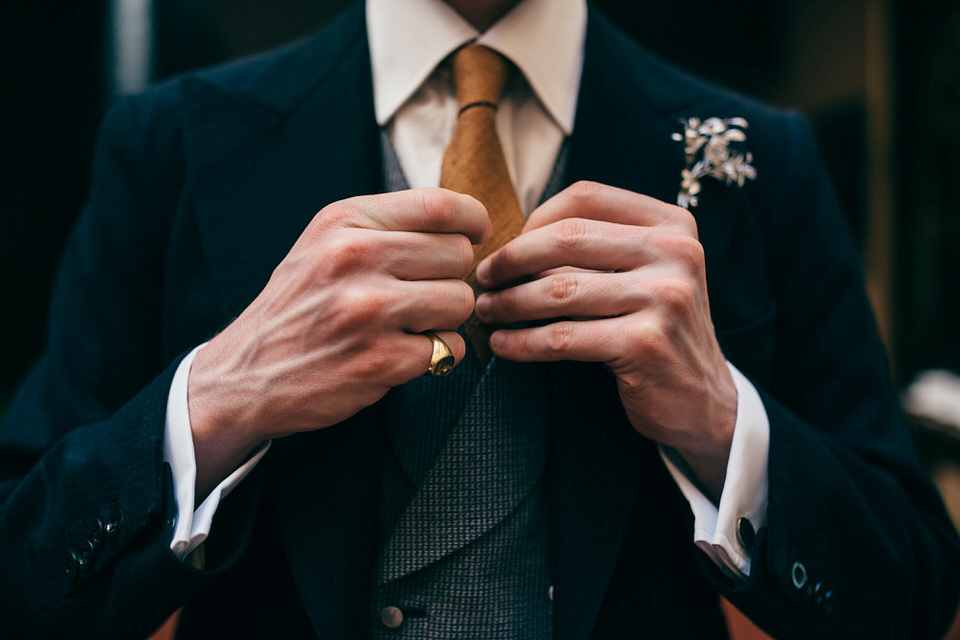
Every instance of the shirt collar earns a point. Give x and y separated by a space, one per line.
543 38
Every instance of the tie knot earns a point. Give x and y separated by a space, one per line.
480 75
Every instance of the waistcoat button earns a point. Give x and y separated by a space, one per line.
391 617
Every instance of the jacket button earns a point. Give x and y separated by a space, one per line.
78 562
112 526
97 533
799 575
84 555
391 617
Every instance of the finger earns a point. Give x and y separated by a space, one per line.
410 353
565 294
407 255
425 305
588 244
426 210
602 202
568 269
585 341
454 342
572 242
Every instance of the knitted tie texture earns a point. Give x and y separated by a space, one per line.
473 162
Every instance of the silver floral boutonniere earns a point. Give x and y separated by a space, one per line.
709 153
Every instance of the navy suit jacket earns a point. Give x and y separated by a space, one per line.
200 188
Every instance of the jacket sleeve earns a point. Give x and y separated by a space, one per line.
86 504
857 542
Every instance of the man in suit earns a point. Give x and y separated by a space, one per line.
677 405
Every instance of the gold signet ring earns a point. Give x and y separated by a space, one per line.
442 360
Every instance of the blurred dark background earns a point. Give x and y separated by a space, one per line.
879 79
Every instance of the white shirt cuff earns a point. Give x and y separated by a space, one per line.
192 526
744 490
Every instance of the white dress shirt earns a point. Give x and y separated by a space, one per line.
414 102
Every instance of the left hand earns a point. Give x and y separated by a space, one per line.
620 277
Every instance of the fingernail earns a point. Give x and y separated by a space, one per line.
483 271
482 305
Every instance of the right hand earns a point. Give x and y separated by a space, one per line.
339 322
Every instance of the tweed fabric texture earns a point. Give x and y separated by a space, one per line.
468 556
419 416
496 587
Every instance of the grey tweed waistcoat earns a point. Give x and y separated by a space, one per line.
463 525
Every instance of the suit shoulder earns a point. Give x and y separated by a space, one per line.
275 80
669 90
280 77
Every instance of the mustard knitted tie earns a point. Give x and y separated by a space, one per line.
474 164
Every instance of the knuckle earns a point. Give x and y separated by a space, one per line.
393 366
685 249
345 253
434 205
374 363
644 340
562 287
685 221
343 212
360 306
696 255
319 227
676 295
689 250
559 337
325 216
584 191
571 234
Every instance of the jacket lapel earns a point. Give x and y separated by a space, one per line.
266 155
596 466
627 111
326 486
618 139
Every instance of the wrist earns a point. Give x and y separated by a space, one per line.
708 454
219 408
